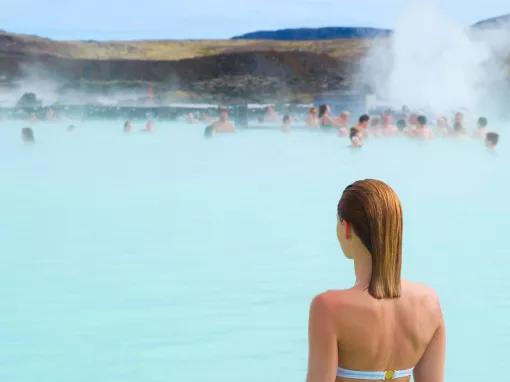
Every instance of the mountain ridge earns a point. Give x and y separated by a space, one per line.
323 33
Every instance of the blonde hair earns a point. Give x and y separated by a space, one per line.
374 211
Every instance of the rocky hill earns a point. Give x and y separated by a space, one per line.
225 71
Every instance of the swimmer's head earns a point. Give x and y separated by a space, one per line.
459 117
356 137
209 131
363 121
370 217
401 124
491 140
422 121
482 123
345 116
313 111
323 110
27 135
286 119
223 114
457 127
442 122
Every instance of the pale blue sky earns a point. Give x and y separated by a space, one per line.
171 19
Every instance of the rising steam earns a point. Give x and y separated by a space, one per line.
436 64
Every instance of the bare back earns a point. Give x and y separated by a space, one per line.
223 127
375 335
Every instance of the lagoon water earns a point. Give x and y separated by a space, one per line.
167 257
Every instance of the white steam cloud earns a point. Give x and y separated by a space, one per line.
434 63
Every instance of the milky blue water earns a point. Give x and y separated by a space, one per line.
167 257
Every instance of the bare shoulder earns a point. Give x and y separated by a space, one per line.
332 300
423 295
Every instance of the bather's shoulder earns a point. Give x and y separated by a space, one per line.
421 294
332 299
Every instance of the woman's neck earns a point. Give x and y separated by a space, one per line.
363 269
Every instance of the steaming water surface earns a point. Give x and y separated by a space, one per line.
167 257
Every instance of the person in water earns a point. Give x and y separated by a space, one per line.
223 124
491 140
422 131
325 119
128 127
458 125
51 115
343 121
149 126
356 138
458 130
481 129
71 128
383 328
312 120
362 125
442 127
388 128
27 135
459 117
402 126
270 115
209 132
287 121
412 121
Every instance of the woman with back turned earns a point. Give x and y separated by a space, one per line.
325 119
382 328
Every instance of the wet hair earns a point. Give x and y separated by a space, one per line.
286 119
364 118
27 135
208 131
353 132
482 122
492 138
373 209
322 110
401 124
312 110
457 126
422 120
